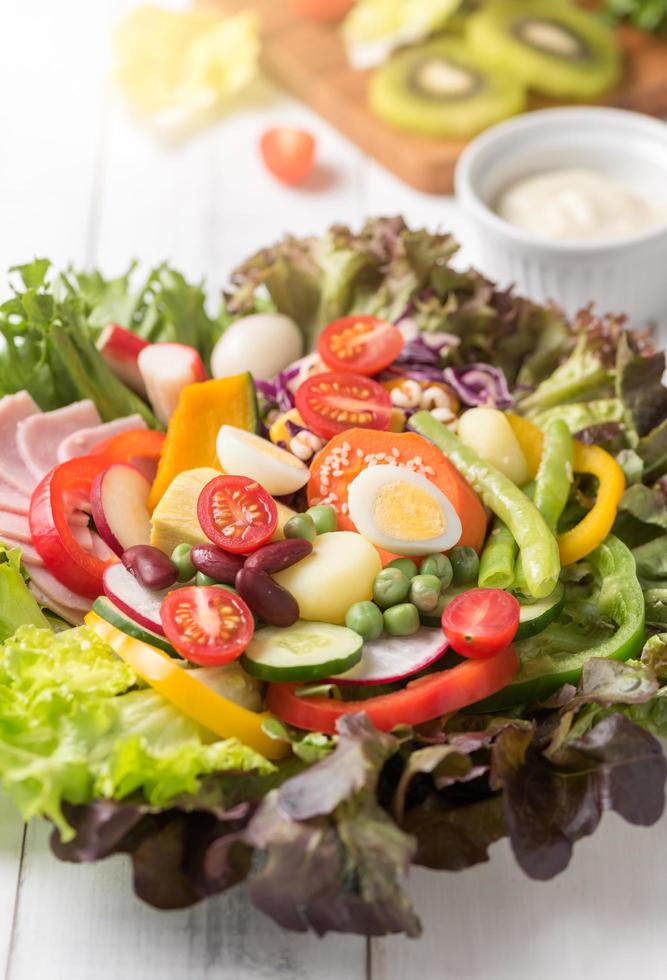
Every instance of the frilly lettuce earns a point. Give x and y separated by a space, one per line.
392 271
74 727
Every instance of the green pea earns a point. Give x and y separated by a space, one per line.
324 518
301 526
390 587
401 620
465 564
365 619
425 592
201 579
406 565
182 559
439 565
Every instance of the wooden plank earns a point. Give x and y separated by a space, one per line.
76 922
308 58
11 848
601 919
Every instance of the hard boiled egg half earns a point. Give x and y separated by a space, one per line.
402 512
243 453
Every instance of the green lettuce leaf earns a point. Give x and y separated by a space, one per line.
18 606
584 376
74 728
581 415
639 386
394 272
49 349
653 450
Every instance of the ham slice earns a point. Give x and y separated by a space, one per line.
16 526
14 409
28 553
12 499
55 590
83 441
73 616
39 436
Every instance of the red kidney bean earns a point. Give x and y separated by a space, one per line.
150 565
211 560
266 598
279 555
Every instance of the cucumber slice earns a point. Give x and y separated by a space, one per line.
303 652
536 616
105 608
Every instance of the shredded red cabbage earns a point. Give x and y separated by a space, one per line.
421 357
276 393
479 384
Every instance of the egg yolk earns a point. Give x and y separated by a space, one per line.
404 511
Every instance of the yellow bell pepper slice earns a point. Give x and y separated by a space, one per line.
187 693
596 525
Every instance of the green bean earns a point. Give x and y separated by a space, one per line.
496 566
538 546
554 476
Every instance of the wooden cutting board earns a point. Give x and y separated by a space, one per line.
309 60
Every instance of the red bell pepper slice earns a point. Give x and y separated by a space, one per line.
61 491
421 700
66 488
126 446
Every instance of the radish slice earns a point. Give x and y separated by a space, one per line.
120 348
119 504
167 369
135 600
391 658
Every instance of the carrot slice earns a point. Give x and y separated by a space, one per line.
352 451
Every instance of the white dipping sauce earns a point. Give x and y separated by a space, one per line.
578 204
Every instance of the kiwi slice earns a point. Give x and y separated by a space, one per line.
552 46
442 89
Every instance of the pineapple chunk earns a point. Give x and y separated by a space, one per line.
175 518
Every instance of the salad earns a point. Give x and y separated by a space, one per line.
365 568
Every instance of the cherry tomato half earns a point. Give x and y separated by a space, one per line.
481 622
237 514
288 153
207 624
363 344
332 402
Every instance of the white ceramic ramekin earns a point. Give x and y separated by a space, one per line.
622 275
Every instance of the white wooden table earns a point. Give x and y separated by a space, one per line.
80 183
